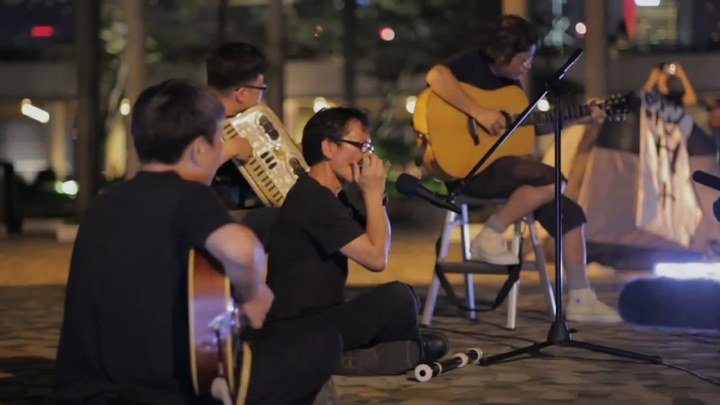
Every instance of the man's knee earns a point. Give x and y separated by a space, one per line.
547 192
573 216
400 295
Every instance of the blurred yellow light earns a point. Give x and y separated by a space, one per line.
125 107
70 187
319 103
543 105
410 104
31 111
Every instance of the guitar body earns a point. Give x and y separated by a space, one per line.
450 150
212 315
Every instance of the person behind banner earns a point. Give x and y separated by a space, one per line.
125 336
501 59
319 230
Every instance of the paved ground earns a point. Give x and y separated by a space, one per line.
32 273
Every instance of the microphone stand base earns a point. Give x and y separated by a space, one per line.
559 335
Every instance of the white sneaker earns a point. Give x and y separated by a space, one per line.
490 246
584 306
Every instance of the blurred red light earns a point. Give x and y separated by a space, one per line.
386 33
42 31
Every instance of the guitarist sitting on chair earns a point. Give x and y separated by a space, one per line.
501 59
124 337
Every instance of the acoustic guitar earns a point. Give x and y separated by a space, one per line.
214 320
454 142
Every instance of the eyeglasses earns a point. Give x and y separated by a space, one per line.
365 147
251 86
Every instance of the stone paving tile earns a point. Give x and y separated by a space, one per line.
560 374
31 317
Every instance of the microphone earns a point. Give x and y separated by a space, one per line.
410 186
706 179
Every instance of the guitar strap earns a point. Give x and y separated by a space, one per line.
513 276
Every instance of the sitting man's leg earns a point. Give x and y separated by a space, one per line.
527 185
380 332
582 303
536 193
292 368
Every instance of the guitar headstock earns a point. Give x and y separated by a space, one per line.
616 107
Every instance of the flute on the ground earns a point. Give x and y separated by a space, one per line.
427 371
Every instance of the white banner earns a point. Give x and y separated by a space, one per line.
666 205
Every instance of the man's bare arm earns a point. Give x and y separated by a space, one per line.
442 81
242 256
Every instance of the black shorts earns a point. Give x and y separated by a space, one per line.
505 175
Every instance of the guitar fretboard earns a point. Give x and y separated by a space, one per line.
568 113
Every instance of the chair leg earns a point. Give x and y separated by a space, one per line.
513 294
442 251
465 242
470 296
541 266
430 302
465 232
512 298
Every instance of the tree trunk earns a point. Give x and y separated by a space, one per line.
135 59
349 51
596 46
89 122
276 56
222 9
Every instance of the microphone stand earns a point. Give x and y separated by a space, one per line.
559 334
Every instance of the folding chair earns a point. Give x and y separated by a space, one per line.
470 267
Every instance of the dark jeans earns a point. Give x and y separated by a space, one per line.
506 174
387 313
284 370
291 369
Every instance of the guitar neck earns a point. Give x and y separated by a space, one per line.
568 113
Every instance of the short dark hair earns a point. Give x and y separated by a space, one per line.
234 64
507 36
328 123
169 116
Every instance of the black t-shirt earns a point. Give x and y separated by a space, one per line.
241 195
125 328
306 270
472 66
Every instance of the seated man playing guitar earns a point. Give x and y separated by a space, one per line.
502 58
318 230
125 334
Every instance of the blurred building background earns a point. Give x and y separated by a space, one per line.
370 53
